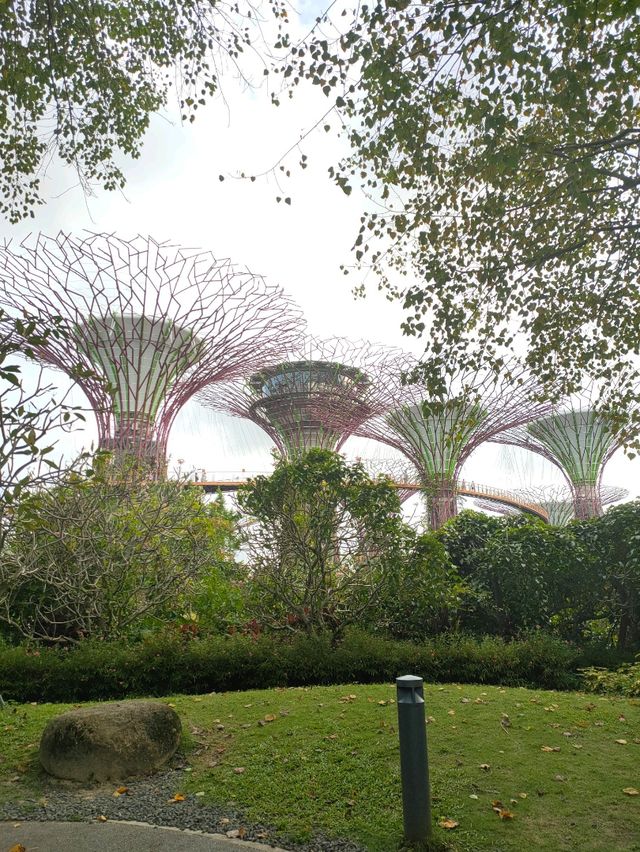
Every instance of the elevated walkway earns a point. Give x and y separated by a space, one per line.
213 482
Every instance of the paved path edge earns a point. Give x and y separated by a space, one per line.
20 830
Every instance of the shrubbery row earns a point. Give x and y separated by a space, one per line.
164 665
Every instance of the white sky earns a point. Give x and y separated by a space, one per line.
173 192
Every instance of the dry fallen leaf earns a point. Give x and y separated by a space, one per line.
237 832
269 717
179 797
621 742
485 767
101 818
522 795
18 848
474 796
120 791
550 748
448 823
500 809
631 791
239 770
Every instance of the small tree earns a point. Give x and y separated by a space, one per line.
326 542
95 558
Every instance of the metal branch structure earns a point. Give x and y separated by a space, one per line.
438 434
398 470
148 325
498 508
556 500
579 440
318 397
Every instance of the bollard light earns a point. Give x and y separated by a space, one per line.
414 764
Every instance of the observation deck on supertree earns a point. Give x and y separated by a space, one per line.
316 398
579 440
147 325
438 434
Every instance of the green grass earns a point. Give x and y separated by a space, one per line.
328 762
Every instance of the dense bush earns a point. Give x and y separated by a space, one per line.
419 600
614 541
166 664
624 680
580 581
102 558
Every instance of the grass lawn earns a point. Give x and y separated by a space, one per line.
326 759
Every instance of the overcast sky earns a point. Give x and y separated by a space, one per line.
173 192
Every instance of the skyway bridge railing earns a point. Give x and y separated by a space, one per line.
213 481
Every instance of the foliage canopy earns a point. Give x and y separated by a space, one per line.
82 80
498 144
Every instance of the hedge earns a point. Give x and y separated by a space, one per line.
164 665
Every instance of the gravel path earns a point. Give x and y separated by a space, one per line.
148 801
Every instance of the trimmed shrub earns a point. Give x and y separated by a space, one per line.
163 665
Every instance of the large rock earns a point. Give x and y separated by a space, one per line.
110 742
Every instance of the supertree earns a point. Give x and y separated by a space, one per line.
438 433
316 398
579 439
556 500
147 325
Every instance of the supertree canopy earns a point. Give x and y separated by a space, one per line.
316 398
438 434
556 500
147 325
580 441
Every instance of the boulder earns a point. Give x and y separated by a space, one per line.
111 741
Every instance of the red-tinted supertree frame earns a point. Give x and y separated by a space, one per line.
148 325
317 397
579 439
438 434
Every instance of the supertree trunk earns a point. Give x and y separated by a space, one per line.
586 500
441 503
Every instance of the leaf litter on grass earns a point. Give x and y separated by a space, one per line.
300 779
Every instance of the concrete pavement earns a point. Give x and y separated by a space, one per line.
113 836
